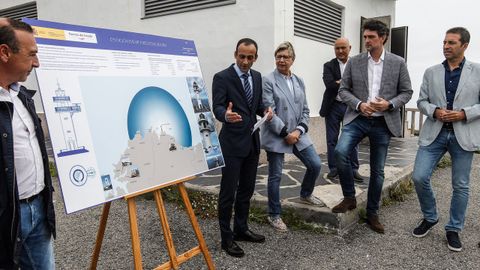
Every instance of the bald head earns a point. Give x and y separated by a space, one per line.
3 22
342 49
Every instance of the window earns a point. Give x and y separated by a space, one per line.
318 20
28 10
154 8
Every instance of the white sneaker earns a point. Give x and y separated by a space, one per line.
277 224
312 200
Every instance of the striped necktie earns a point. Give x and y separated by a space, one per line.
248 88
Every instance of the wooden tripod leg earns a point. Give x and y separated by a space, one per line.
100 235
132 215
166 229
196 228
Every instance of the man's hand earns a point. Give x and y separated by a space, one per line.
338 81
293 137
268 111
380 104
366 109
232 117
449 116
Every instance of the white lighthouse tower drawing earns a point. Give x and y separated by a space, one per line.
65 110
205 130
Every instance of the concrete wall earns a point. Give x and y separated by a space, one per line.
216 31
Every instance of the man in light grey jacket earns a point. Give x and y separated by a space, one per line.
449 97
375 85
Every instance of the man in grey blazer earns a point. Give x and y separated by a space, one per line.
449 97
375 85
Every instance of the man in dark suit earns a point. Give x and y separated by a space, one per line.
333 109
237 100
375 85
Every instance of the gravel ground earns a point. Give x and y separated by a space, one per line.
361 248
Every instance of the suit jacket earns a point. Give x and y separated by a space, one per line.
331 74
467 98
235 138
290 112
395 87
9 201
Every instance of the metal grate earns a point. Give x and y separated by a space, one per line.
28 10
154 8
318 20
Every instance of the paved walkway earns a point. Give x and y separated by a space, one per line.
399 164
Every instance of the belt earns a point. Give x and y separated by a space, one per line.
380 117
30 199
448 126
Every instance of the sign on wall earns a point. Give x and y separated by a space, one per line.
126 111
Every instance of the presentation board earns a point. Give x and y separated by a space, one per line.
126 111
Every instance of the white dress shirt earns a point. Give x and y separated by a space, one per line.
342 69
26 150
342 66
375 70
289 81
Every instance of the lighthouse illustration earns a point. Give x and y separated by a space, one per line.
205 130
65 110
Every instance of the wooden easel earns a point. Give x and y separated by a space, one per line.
175 260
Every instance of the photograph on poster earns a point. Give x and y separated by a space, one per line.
200 102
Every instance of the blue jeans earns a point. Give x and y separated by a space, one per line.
426 161
37 240
379 136
312 162
333 122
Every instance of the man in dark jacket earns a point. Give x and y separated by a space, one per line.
27 219
237 100
333 109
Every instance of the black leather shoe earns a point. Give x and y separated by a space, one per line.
249 236
357 177
332 174
233 249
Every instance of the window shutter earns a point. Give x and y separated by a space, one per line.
154 8
28 10
318 20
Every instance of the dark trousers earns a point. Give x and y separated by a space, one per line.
333 122
236 189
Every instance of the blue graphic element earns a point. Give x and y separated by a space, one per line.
152 108
78 175
72 152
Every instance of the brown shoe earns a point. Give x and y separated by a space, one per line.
375 224
345 205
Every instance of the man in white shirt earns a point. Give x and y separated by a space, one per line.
375 85
27 219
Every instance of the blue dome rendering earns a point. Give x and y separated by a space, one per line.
155 108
